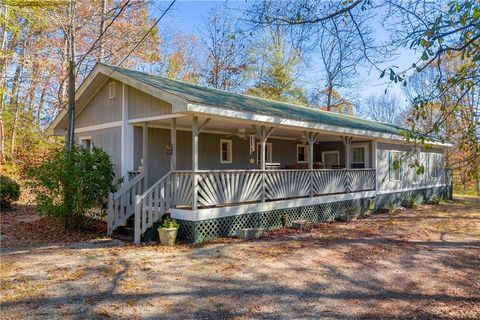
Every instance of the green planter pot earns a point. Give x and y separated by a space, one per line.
167 236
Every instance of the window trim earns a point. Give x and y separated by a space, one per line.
269 152
366 153
390 165
418 158
83 138
306 152
435 158
331 152
229 150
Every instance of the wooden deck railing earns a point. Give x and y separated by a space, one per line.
151 205
227 187
121 204
231 187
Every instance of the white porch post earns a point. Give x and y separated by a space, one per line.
311 139
262 135
145 155
195 162
127 137
196 129
263 140
173 141
347 141
374 164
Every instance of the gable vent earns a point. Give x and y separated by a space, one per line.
111 90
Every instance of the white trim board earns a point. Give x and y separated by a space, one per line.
438 185
297 123
214 213
160 117
107 125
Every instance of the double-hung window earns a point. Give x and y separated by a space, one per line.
395 165
225 151
433 165
302 151
415 167
86 143
359 155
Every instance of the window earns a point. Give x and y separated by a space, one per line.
416 166
225 151
86 142
433 161
302 153
111 90
330 158
395 165
268 152
359 155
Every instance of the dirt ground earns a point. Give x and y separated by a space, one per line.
419 264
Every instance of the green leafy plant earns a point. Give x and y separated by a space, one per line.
9 192
170 223
411 202
70 183
349 214
434 200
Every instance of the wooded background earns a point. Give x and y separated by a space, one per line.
259 48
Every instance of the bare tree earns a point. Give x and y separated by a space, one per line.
338 45
387 108
224 52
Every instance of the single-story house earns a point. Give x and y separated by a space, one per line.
218 161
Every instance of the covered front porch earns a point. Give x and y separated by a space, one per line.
202 167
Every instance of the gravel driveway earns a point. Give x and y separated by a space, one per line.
421 263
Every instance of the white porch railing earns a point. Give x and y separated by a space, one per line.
227 187
121 204
151 205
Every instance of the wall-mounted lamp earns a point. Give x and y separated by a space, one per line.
169 148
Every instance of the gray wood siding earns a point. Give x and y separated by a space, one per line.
110 141
283 152
101 109
407 179
142 105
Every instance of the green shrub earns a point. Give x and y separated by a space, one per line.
9 192
70 183
170 223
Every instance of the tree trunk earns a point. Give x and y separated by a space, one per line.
329 97
41 102
101 49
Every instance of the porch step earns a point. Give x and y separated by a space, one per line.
123 237
126 233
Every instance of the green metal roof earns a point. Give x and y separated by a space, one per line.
214 97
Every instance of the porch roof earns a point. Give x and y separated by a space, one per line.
223 99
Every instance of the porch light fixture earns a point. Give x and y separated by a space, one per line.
169 148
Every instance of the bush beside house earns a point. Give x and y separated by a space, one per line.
9 192
70 183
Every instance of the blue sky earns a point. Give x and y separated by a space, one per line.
186 17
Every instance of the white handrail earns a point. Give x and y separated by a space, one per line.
151 205
121 204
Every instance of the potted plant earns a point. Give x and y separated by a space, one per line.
168 232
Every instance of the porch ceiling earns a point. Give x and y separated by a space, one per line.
228 126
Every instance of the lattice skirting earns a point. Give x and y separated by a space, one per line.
206 230
201 231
